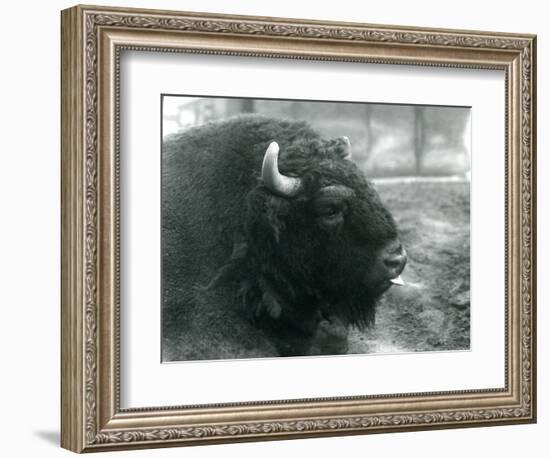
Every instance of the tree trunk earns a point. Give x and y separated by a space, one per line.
419 138
368 132
247 106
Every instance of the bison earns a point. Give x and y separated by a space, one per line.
273 242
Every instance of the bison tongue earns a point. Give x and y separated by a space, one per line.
397 280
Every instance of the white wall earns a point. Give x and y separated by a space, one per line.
29 241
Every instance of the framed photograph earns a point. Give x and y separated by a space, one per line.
277 228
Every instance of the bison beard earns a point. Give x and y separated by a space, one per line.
251 271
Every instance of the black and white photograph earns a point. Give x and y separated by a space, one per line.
304 228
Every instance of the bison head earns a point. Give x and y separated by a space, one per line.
318 247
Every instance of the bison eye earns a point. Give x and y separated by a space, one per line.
329 209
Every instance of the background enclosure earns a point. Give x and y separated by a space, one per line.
387 140
30 248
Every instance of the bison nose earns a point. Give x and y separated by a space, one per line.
395 259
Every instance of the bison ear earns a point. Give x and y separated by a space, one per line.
266 216
240 247
275 215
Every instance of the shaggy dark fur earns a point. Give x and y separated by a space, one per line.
247 273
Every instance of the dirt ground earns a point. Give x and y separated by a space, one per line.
432 311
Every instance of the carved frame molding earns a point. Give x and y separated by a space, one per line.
92 38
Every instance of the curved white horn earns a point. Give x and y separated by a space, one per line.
273 179
347 148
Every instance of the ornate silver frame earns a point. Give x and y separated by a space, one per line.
92 38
